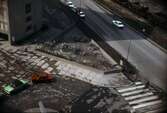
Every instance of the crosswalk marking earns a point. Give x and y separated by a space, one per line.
138 83
147 104
134 92
143 100
139 96
131 88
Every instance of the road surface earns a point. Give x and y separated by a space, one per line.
146 57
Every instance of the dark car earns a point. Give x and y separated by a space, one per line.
15 86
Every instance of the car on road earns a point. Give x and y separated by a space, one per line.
70 4
81 14
15 86
118 23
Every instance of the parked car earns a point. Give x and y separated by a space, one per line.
15 86
118 23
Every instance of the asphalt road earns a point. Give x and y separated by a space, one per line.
146 57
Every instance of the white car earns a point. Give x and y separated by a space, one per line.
81 14
70 4
118 23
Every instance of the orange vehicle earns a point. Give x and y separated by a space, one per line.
41 76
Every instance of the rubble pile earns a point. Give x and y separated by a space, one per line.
11 67
79 49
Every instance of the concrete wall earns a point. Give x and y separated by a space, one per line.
17 19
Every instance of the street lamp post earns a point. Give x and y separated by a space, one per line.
127 58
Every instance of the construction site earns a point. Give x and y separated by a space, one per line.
49 85
62 69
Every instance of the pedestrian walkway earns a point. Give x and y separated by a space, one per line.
141 98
